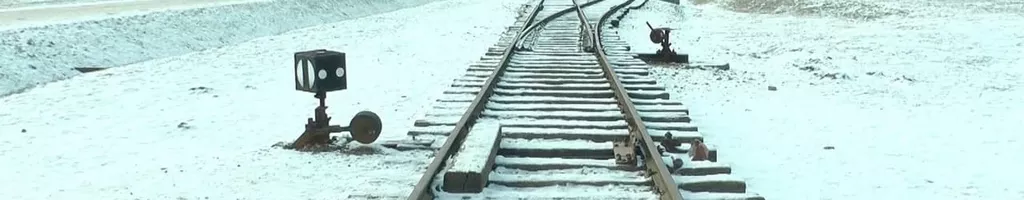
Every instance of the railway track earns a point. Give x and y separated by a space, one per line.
541 117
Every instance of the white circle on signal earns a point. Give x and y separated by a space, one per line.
339 72
322 74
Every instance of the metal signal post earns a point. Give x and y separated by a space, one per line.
321 71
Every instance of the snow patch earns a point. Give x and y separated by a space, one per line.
850 9
477 147
549 144
579 175
946 74
37 55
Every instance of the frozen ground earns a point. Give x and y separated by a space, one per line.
920 99
41 50
201 125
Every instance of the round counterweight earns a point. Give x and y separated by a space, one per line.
365 127
657 35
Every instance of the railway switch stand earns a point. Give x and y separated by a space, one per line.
665 54
321 71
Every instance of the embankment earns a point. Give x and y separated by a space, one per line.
38 55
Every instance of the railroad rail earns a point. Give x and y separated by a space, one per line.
560 109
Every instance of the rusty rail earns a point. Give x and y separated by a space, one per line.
422 190
660 174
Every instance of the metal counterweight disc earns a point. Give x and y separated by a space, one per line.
365 127
657 35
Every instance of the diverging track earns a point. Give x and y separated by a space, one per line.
538 116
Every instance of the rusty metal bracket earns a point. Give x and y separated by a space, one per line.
318 129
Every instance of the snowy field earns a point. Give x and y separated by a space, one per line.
920 99
49 12
44 49
201 125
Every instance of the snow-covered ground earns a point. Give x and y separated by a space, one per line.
920 99
46 14
27 3
202 125
41 50
925 104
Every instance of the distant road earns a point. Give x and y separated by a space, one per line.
5 4
37 15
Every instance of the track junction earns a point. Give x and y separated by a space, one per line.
558 109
